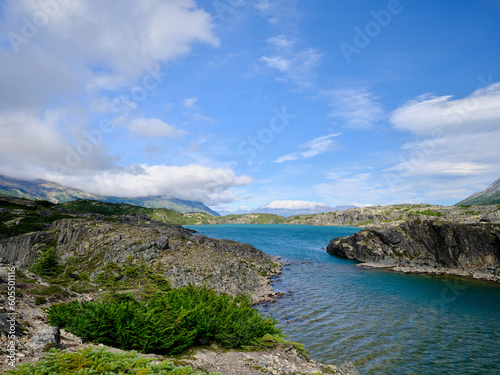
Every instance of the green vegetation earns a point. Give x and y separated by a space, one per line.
47 264
364 223
13 224
40 300
50 290
132 274
429 213
169 323
88 361
83 206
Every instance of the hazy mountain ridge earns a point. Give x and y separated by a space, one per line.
289 208
55 193
490 195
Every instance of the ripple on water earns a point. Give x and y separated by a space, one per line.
383 322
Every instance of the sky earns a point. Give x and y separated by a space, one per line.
237 103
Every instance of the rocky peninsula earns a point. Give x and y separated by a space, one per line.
469 249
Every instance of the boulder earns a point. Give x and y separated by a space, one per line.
50 336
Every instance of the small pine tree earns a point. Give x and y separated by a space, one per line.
47 264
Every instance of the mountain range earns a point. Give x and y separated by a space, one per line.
490 195
50 191
290 208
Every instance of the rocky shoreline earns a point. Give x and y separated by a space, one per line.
437 247
35 335
96 248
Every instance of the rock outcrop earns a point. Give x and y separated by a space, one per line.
396 214
45 337
439 247
173 251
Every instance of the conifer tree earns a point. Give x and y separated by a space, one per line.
47 264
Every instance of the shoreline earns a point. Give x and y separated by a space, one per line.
434 271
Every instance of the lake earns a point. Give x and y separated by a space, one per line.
381 321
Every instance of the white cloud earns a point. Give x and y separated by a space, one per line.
295 64
430 116
84 48
457 138
314 147
153 127
280 13
192 182
121 39
190 103
294 205
355 108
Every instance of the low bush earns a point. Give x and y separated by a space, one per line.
88 361
169 323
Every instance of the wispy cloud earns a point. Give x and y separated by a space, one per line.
314 147
456 141
295 64
190 103
153 127
355 109
279 13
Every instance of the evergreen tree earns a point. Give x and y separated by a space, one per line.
47 264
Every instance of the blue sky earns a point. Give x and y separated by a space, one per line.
237 103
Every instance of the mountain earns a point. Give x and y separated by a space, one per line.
46 190
291 208
490 195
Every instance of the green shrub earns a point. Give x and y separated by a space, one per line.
429 213
50 290
88 361
169 323
40 300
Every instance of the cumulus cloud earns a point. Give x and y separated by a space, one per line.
124 38
191 182
293 205
96 52
314 147
355 108
295 64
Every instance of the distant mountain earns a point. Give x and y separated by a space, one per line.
490 195
292 208
236 212
46 190
40 190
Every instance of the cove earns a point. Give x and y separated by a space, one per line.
381 321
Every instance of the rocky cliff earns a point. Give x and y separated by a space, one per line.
170 250
440 247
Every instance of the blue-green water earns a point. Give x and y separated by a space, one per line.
381 321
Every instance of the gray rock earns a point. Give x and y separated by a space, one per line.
428 246
162 243
45 336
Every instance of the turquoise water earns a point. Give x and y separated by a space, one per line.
381 321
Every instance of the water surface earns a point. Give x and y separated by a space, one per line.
384 322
